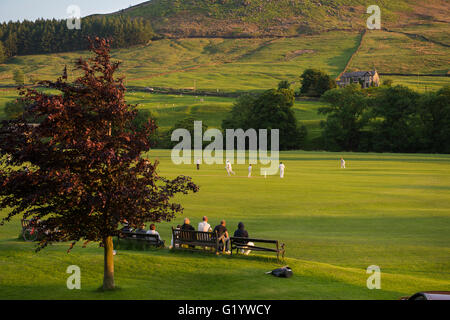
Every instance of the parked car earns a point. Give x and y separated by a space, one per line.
429 295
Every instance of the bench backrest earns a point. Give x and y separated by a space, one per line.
245 240
197 236
137 235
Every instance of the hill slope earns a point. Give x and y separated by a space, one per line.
253 18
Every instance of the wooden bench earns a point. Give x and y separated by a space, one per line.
151 239
241 244
195 239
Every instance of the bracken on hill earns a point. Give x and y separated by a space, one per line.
258 18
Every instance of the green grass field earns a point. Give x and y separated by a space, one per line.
387 210
168 109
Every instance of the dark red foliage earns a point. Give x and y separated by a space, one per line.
86 167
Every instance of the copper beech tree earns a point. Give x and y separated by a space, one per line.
73 163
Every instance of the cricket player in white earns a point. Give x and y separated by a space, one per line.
250 171
342 163
281 170
229 168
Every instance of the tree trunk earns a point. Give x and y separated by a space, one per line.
108 278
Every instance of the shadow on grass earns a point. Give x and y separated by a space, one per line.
101 290
210 254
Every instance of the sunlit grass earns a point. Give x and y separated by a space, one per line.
384 209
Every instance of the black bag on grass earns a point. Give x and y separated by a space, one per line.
284 272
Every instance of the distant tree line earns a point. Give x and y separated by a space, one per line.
48 36
386 119
271 109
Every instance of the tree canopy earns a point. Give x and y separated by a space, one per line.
86 167
270 110
346 117
48 36
315 83
386 119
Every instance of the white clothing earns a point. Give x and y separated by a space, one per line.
204 226
343 164
249 171
229 168
154 232
282 170
247 252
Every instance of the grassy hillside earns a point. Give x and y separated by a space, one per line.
224 64
392 52
386 210
241 65
237 18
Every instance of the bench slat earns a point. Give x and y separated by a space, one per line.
236 239
256 249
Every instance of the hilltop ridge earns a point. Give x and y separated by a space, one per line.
260 18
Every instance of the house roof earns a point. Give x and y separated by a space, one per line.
358 74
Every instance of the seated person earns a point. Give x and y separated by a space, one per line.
186 226
152 230
222 233
204 225
242 233
141 229
126 226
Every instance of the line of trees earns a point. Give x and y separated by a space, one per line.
386 119
48 36
271 109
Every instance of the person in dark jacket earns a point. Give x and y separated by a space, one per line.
141 229
187 226
242 233
126 226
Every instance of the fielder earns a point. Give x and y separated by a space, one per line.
281 170
250 171
342 163
229 168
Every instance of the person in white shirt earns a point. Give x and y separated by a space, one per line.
153 231
281 170
342 163
198 164
204 226
250 171
229 168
